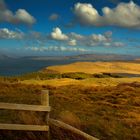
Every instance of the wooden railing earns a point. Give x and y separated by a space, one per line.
44 107
72 129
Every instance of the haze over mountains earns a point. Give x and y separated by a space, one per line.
13 65
82 57
3 57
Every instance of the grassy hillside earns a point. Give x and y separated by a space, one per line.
104 105
85 82
98 67
105 112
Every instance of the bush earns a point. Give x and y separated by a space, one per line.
76 75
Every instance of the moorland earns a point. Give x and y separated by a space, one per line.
100 98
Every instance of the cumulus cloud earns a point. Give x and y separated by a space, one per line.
76 36
98 38
9 34
86 13
21 16
54 17
89 40
94 40
58 35
124 15
72 42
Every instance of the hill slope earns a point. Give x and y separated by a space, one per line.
98 67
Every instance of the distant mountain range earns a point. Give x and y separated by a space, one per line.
3 57
103 57
88 57
83 57
13 65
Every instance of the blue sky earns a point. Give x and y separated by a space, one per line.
44 27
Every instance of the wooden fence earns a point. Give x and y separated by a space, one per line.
44 107
72 129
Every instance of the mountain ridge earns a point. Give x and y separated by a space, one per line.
87 57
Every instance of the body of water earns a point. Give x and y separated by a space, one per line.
21 66
13 67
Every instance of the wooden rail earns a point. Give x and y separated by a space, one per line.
74 130
44 107
24 127
10 106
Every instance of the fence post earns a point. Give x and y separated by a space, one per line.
45 97
45 102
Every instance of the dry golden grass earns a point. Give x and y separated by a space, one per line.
92 68
98 67
108 113
70 118
107 108
85 82
52 82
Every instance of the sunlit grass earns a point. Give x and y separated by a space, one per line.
98 67
52 82
105 107
86 82
107 112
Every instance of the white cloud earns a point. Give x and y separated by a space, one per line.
57 48
85 13
21 16
95 39
24 17
72 39
98 38
76 36
107 44
9 34
72 42
124 15
72 49
53 17
58 35
89 40
118 44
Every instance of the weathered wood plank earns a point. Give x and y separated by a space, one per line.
11 106
24 127
45 101
45 97
72 129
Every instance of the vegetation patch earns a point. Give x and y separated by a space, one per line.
106 112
